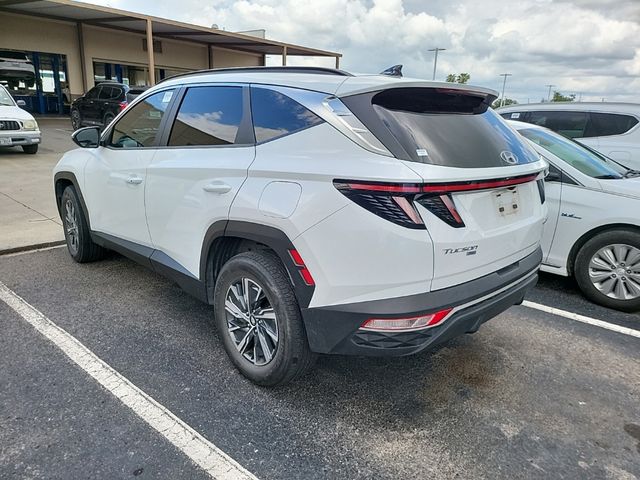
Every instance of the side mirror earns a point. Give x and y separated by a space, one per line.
21 103
87 137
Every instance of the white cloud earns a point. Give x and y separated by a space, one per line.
590 47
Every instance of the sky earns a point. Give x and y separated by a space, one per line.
590 48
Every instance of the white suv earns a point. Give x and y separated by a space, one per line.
317 211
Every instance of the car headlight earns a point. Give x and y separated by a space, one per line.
29 125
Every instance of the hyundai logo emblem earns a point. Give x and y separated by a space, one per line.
509 157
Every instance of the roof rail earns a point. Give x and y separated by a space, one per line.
283 69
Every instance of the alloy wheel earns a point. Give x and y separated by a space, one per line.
251 321
71 226
615 271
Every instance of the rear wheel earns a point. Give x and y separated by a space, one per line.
76 230
76 119
259 321
607 269
108 118
30 149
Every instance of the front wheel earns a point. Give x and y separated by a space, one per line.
30 149
607 269
76 119
76 230
259 321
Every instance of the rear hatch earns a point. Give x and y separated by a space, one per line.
483 194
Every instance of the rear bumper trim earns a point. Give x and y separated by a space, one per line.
336 329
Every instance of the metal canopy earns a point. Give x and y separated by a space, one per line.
67 10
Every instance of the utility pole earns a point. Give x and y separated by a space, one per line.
504 83
549 94
435 59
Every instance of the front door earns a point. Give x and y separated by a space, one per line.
115 179
193 180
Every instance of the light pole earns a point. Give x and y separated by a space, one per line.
549 94
435 59
504 84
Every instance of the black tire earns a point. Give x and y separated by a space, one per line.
292 357
30 149
82 249
582 269
76 119
108 117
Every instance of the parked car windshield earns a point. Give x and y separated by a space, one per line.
586 161
5 98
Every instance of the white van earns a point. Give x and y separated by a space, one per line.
610 128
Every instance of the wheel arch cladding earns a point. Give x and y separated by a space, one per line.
224 239
63 180
577 246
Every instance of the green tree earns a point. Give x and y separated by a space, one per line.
558 97
458 78
507 101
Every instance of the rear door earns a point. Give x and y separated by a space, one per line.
90 106
482 203
195 177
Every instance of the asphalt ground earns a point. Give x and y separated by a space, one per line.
531 395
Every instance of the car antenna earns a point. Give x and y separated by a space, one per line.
395 71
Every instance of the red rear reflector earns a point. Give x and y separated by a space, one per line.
122 106
406 324
480 185
304 271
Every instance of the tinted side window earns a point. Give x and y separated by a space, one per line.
109 93
208 116
275 115
93 93
139 126
603 124
569 124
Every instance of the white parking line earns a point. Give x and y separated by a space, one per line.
201 451
581 318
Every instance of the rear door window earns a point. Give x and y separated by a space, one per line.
275 115
605 124
568 124
208 116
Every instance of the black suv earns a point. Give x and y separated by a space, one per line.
102 103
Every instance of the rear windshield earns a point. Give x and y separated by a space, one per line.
449 128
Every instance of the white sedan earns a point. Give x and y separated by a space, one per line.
593 229
17 126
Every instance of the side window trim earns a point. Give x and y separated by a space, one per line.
105 139
245 136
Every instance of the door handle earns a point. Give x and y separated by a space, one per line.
217 187
134 180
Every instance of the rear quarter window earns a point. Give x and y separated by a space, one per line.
606 124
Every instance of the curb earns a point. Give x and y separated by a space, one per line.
26 248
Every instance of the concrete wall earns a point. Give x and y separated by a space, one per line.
20 32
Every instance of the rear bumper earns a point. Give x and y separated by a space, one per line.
336 329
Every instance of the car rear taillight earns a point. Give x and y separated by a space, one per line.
302 268
395 201
406 324
391 201
122 105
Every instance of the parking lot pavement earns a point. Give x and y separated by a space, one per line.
28 214
531 395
